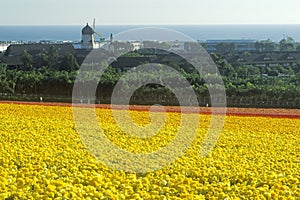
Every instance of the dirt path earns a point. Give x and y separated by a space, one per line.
259 112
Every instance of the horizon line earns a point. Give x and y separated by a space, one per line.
212 24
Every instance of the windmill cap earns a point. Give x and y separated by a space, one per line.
87 30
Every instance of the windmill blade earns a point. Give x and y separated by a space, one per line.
100 36
94 24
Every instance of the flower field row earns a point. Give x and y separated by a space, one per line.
42 157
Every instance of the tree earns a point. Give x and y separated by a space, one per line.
42 60
53 58
27 60
214 56
242 72
253 71
268 45
265 45
6 83
227 70
273 72
287 44
34 79
69 63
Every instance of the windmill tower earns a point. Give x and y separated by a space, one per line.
88 41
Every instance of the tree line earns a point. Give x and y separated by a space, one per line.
54 75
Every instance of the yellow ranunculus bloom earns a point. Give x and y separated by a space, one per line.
43 157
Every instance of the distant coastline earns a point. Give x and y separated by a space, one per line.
197 32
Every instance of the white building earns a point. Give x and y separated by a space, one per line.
3 46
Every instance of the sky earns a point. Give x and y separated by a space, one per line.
149 12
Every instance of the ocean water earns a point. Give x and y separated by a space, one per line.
197 32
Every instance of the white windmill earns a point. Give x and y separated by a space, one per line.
88 39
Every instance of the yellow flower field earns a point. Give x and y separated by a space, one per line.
42 157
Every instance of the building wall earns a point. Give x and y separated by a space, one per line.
241 45
88 41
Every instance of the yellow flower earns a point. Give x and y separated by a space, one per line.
50 188
20 181
42 156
